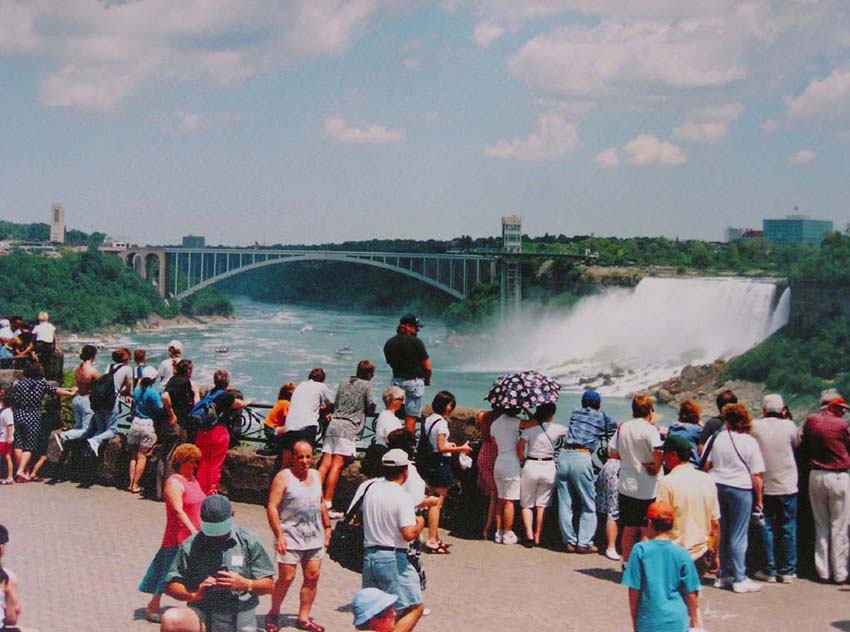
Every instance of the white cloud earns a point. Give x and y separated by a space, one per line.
824 101
638 58
553 136
570 108
485 33
768 126
99 53
802 157
646 150
708 124
607 159
338 129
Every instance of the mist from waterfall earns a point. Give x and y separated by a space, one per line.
637 337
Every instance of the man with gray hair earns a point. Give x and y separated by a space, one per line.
778 437
166 367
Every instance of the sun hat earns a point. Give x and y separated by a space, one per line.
827 395
216 516
369 603
149 373
411 319
176 345
837 401
395 458
659 510
773 403
678 444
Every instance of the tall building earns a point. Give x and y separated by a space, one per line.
796 229
511 270
194 241
57 224
512 233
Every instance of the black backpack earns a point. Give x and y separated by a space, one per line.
102 395
426 458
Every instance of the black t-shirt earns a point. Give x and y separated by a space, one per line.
179 388
405 354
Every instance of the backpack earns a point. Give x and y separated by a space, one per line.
204 412
426 458
102 395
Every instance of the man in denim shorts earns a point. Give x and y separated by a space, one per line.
406 355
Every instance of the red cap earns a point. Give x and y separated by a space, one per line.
838 401
659 510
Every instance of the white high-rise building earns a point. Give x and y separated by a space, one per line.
57 224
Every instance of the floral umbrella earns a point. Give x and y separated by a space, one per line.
525 389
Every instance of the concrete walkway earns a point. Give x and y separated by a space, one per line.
80 553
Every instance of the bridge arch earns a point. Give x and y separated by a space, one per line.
321 257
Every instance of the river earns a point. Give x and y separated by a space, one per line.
271 344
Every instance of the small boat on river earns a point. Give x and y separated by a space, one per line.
221 349
345 352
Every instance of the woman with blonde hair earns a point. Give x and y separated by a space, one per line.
734 460
183 500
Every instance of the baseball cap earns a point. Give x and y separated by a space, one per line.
837 401
395 458
149 373
659 510
176 344
773 403
216 516
590 396
369 603
678 444
411 319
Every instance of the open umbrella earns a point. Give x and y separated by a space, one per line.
525 389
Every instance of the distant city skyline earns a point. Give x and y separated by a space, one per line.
312 121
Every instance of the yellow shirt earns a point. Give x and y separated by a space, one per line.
277 415
693 496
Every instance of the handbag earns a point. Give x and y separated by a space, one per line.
346 545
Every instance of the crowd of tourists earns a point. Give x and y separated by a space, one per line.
675 503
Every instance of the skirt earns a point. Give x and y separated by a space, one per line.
142 434
607 489
486 460
154 580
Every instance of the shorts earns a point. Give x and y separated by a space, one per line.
339 445
393 573
142 434
536 484
414 390
5 448
633 510
508 488
440 475
292 437
294 558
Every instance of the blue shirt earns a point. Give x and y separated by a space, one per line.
146 404
587 426
691 432
664 573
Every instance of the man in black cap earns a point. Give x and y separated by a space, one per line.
221 570
406 355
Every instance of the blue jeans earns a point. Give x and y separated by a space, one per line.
81 407
736 506
393 573
414 390
106 425
780 531
575 476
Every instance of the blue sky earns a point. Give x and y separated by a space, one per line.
306 121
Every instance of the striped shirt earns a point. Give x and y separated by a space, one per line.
587 426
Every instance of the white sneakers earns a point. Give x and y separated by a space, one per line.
746 586
612 554
509 537
723 582
787 579
498 537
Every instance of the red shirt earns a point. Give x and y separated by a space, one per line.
826 442
193 497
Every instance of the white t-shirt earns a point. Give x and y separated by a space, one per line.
541 440
384 425
777 439
44 332
6 333
308 398
166 371
121 375
415 485
7 420
636 441
386 509
505 431
727 467
440 427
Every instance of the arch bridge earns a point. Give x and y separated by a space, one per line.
178 272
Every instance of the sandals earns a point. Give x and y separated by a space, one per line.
22 478
271 624
153 617
440 549
309 625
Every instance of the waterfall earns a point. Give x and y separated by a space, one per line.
630 339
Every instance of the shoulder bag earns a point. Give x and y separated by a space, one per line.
346 545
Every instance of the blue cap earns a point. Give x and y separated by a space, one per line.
590 396
369 603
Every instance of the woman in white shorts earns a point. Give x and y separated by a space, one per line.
536 448
507 472
302 529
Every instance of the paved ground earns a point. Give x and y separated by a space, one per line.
80 554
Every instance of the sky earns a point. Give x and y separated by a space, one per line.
309 121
